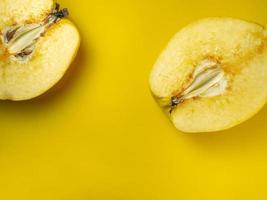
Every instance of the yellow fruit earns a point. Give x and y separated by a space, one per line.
36 47
212 75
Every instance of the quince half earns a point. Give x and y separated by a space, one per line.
212 75
37 45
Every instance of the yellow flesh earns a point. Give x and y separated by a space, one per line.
240 48
51 58
20 11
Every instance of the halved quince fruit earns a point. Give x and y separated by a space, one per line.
36 47
212 75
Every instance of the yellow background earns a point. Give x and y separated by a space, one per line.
99 135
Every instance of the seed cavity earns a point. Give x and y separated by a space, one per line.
20 40
208 80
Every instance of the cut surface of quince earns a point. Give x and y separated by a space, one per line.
37 45
212 75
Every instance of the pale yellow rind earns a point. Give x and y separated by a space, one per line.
52 57
240 47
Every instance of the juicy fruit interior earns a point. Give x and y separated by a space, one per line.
22 79
239 47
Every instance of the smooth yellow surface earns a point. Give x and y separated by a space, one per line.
99 135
